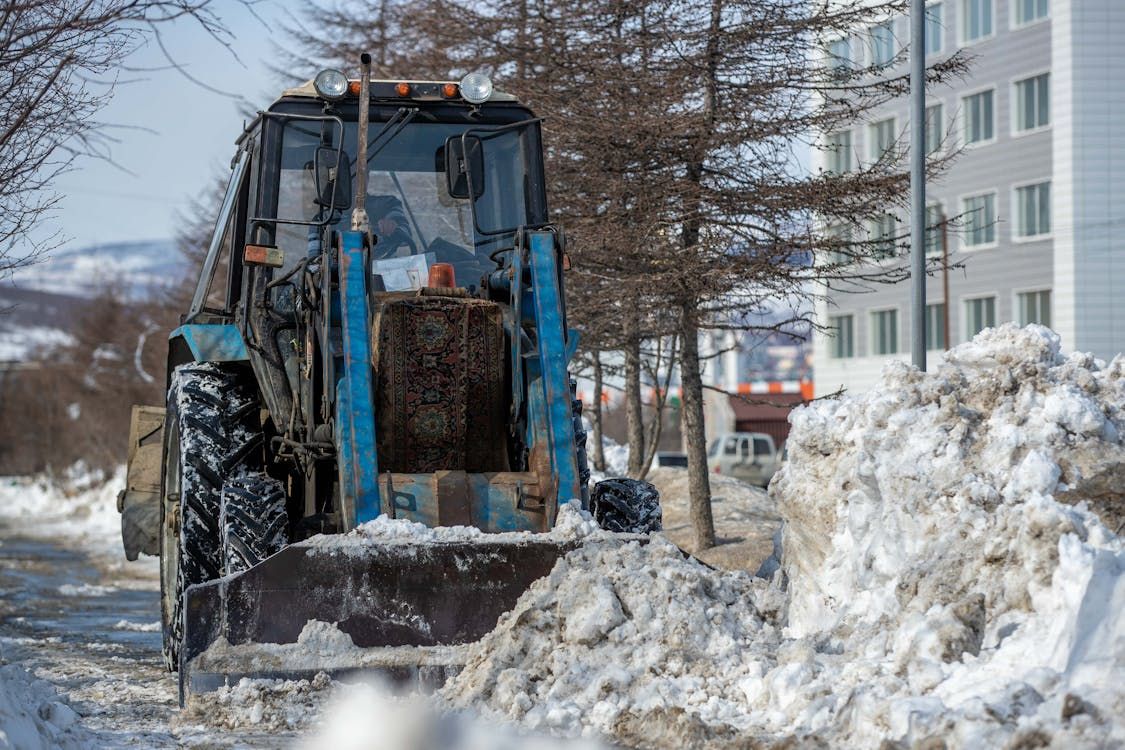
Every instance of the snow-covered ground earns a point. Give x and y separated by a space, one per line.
945 581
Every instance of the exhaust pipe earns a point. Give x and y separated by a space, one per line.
360 220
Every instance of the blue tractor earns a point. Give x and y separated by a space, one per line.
379 329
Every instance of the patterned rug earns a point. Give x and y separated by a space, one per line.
440 385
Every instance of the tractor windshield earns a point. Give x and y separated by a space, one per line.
414 218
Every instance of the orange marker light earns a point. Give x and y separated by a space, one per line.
441 276
449 90
403 89
353 88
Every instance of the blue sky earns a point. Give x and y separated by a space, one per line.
193 129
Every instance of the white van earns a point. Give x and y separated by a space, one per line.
749 456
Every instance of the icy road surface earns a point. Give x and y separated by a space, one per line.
89 627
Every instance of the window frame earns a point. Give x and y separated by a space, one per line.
872 41
872 145
874 330
962 17
995 193
964 117
942 29
1031 290
836 63
925 230
1017 238
965 299
873 239
1013 104
834 337
940 344
833 150
942 141
1015 24
233 215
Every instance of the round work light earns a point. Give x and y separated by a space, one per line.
476 88
331 84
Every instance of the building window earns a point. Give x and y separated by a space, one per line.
840 152
882 231
978 117
1033 210
976 19
980 313
839 240
840 57
843 336
1034 307
933 29
881 138
882 44
980 219
935 327
934 218
1033 102
935 129
1030 10
884 332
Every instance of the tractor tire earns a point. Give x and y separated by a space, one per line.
627 506
580 446
211 434
254 521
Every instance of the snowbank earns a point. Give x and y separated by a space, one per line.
79 506
946 583
33 715
634 642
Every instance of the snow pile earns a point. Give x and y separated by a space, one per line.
33 715
79 505
632 641
322 645
572 524
939 591
616 457
949 592
266 704
369 717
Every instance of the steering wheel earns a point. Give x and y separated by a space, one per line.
393 241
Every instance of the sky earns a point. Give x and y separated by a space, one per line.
178 137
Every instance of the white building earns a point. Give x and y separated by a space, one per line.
1040 184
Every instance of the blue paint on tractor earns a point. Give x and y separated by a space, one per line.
213 342
357 462
554 381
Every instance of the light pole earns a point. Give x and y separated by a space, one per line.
918 183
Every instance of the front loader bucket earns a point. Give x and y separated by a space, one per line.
416 600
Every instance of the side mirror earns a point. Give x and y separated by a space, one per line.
333 179
459 165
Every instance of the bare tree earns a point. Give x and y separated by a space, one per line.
59 63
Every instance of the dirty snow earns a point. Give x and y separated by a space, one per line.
937 589
572 524
320 645
33 715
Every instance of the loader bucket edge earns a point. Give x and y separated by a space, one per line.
408 594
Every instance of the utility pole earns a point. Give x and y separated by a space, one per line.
918 183
945 280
